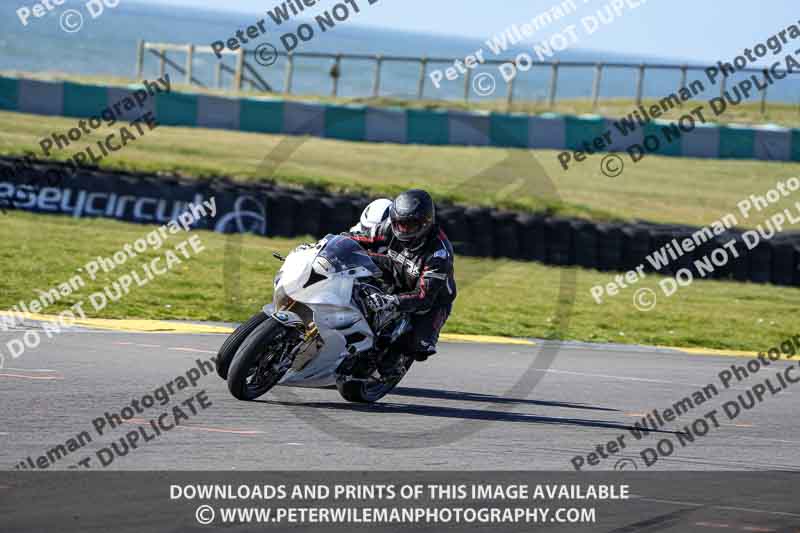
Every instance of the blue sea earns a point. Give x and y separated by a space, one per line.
107 45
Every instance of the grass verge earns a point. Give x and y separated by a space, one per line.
496 297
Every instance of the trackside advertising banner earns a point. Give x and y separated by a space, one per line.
132 198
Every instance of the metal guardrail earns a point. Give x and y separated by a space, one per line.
256 82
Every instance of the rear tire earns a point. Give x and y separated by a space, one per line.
370 391
252 372
234 341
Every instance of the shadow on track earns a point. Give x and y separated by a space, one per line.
457 413
438 394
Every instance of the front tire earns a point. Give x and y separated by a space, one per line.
231 345
259 362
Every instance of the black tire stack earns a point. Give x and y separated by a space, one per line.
481 231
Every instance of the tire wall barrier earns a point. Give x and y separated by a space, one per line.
396 125
274 211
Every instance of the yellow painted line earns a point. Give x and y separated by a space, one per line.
484 339
722 353
711 351
160 326
151 326
136 326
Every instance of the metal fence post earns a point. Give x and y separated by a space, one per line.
376 82
510 94
287 82
598 76
335 73
140 59
163 67
237 82
640 85
553 85
423 65
684 69
189 61
467 80
218 75
764 96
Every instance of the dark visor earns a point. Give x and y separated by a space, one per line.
407 226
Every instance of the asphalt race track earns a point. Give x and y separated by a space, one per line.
452 413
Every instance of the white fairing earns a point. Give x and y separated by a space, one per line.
334 314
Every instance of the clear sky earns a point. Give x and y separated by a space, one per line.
700 30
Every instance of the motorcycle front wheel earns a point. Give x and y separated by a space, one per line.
261 360
231 345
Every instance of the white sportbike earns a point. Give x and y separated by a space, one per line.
318 331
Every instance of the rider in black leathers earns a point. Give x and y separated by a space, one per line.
418 260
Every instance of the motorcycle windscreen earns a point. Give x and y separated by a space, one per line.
341 254
308 278
325 276
336 290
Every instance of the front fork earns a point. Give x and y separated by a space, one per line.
308 333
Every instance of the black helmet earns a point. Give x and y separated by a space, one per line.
412 215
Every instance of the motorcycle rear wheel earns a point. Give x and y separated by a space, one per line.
369 390
253 371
